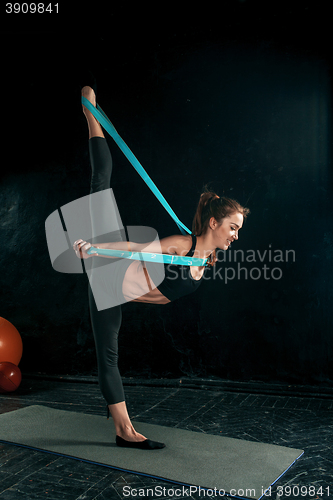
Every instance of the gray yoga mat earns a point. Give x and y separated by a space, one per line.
243 469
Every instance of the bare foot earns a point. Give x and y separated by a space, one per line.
89 94
95 130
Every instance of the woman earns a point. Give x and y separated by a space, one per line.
216 225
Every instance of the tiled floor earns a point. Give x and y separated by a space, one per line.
298 422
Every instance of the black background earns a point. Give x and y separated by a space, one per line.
233 93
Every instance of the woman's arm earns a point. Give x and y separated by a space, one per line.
170 245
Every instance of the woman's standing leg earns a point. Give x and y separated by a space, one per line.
106 323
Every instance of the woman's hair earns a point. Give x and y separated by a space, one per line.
211 205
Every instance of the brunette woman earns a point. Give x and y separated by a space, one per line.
216 225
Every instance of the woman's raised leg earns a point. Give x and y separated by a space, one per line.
106 323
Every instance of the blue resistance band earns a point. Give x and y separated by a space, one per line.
149 257
107 125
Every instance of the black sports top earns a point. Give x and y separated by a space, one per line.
178 280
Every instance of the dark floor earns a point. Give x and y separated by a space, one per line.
302 422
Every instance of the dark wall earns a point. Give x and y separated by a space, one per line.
249 114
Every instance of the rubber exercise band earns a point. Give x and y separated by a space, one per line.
101 117
107 125
159 258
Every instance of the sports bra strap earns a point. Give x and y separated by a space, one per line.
194 244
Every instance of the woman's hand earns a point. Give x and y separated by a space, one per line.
81 248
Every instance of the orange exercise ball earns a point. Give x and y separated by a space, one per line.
10 377
11 346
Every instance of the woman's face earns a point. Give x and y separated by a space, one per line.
227 232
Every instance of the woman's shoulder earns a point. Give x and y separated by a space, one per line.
176 244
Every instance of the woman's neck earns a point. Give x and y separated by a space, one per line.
204 247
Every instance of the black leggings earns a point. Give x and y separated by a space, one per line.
105 323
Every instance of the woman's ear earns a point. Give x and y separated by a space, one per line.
213 223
